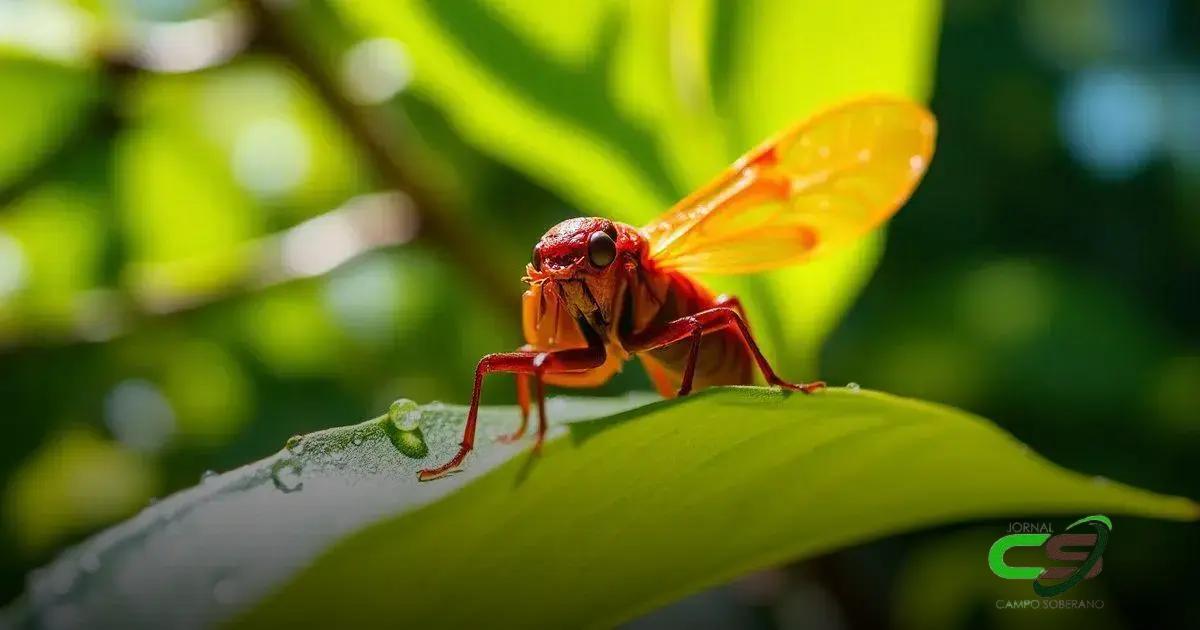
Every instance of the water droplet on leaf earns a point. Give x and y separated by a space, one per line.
402 411
404 414
853 388
285 474
207 475
295 444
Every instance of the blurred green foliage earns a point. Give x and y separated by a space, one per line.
623 108
156 157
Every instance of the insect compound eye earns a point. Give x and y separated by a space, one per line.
537 259
602 249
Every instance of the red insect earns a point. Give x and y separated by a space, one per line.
601 291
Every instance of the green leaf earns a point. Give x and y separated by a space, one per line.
43 103
630 511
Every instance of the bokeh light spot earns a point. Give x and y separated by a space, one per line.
75 482
1176 394
365 297
375 70
1006 302
210 391
271 157
12 266
139 416
1112 121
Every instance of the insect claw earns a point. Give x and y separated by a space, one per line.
449 468
509 438
806 388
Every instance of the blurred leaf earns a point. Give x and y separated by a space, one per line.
43 102
626 509
624 107
52 242
526 104
209 389
292 332
216 158
183 215
73 484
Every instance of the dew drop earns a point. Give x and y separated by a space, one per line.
285 474
295 444
853 388
404 414
207 475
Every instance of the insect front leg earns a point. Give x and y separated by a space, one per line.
522 363
522 404
694 327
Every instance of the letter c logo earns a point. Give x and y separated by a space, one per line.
1002 569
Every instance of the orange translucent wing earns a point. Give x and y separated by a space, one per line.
817 186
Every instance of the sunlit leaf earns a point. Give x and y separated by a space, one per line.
625 509
51 240
43 103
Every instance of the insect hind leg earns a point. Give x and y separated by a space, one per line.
708 321
523 403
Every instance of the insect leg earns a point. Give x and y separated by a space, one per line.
689 370
521 362
540 384
523 404
708 321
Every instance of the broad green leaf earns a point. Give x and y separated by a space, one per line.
51 256
632 511
43 103
214 159
626 106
